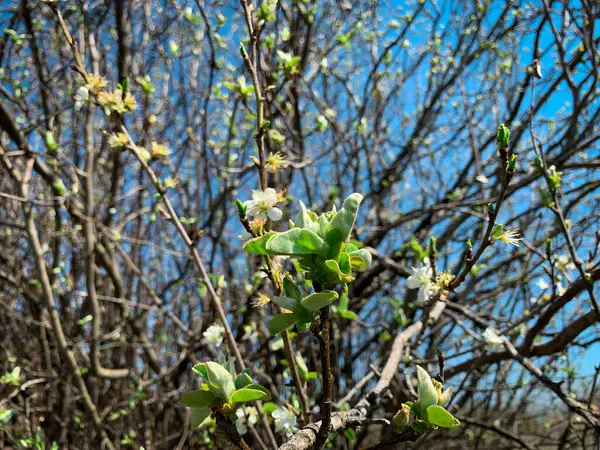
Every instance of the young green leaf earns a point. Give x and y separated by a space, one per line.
318 300
282 322
290 288
335 267
360 259
285 302
427 391
200 369
348 315
437 415
297 241
303 220
444 397
258 244
198 398
199 415
219 379
250 393
345 218
243 379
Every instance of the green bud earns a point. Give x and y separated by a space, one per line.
469 244
401 418
50 141
497 231
537 162
432 249
59 187
548 247
241 207
503 136
490 209
512 163
243 51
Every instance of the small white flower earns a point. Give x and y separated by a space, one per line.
82 96
542 284
285 421
560 289
564 263
214 335
482 179
421 280
262 205
491 337
240 424
252 415
510 237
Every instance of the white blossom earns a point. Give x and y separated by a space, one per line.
82 96
214 335
285 421
262 205
421 280
542 284
491 337
482 179
511 237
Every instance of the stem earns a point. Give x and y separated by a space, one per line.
251 62
231 431
323 337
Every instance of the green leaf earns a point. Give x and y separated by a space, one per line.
84 320
243 379
198 398
497 231
258 244
297 241
303 220
269 407
285 302
335 267
318 300
360 259
445 396
200 369
6 415
59 187
219 379
345 218
437 415
290 288
343 301
282 322
349 315
427 391
199 415
250 393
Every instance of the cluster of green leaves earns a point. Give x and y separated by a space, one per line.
301 309
11 378
428 410
223 391
36 442
321 244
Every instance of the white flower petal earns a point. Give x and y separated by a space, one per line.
274 214
413 283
